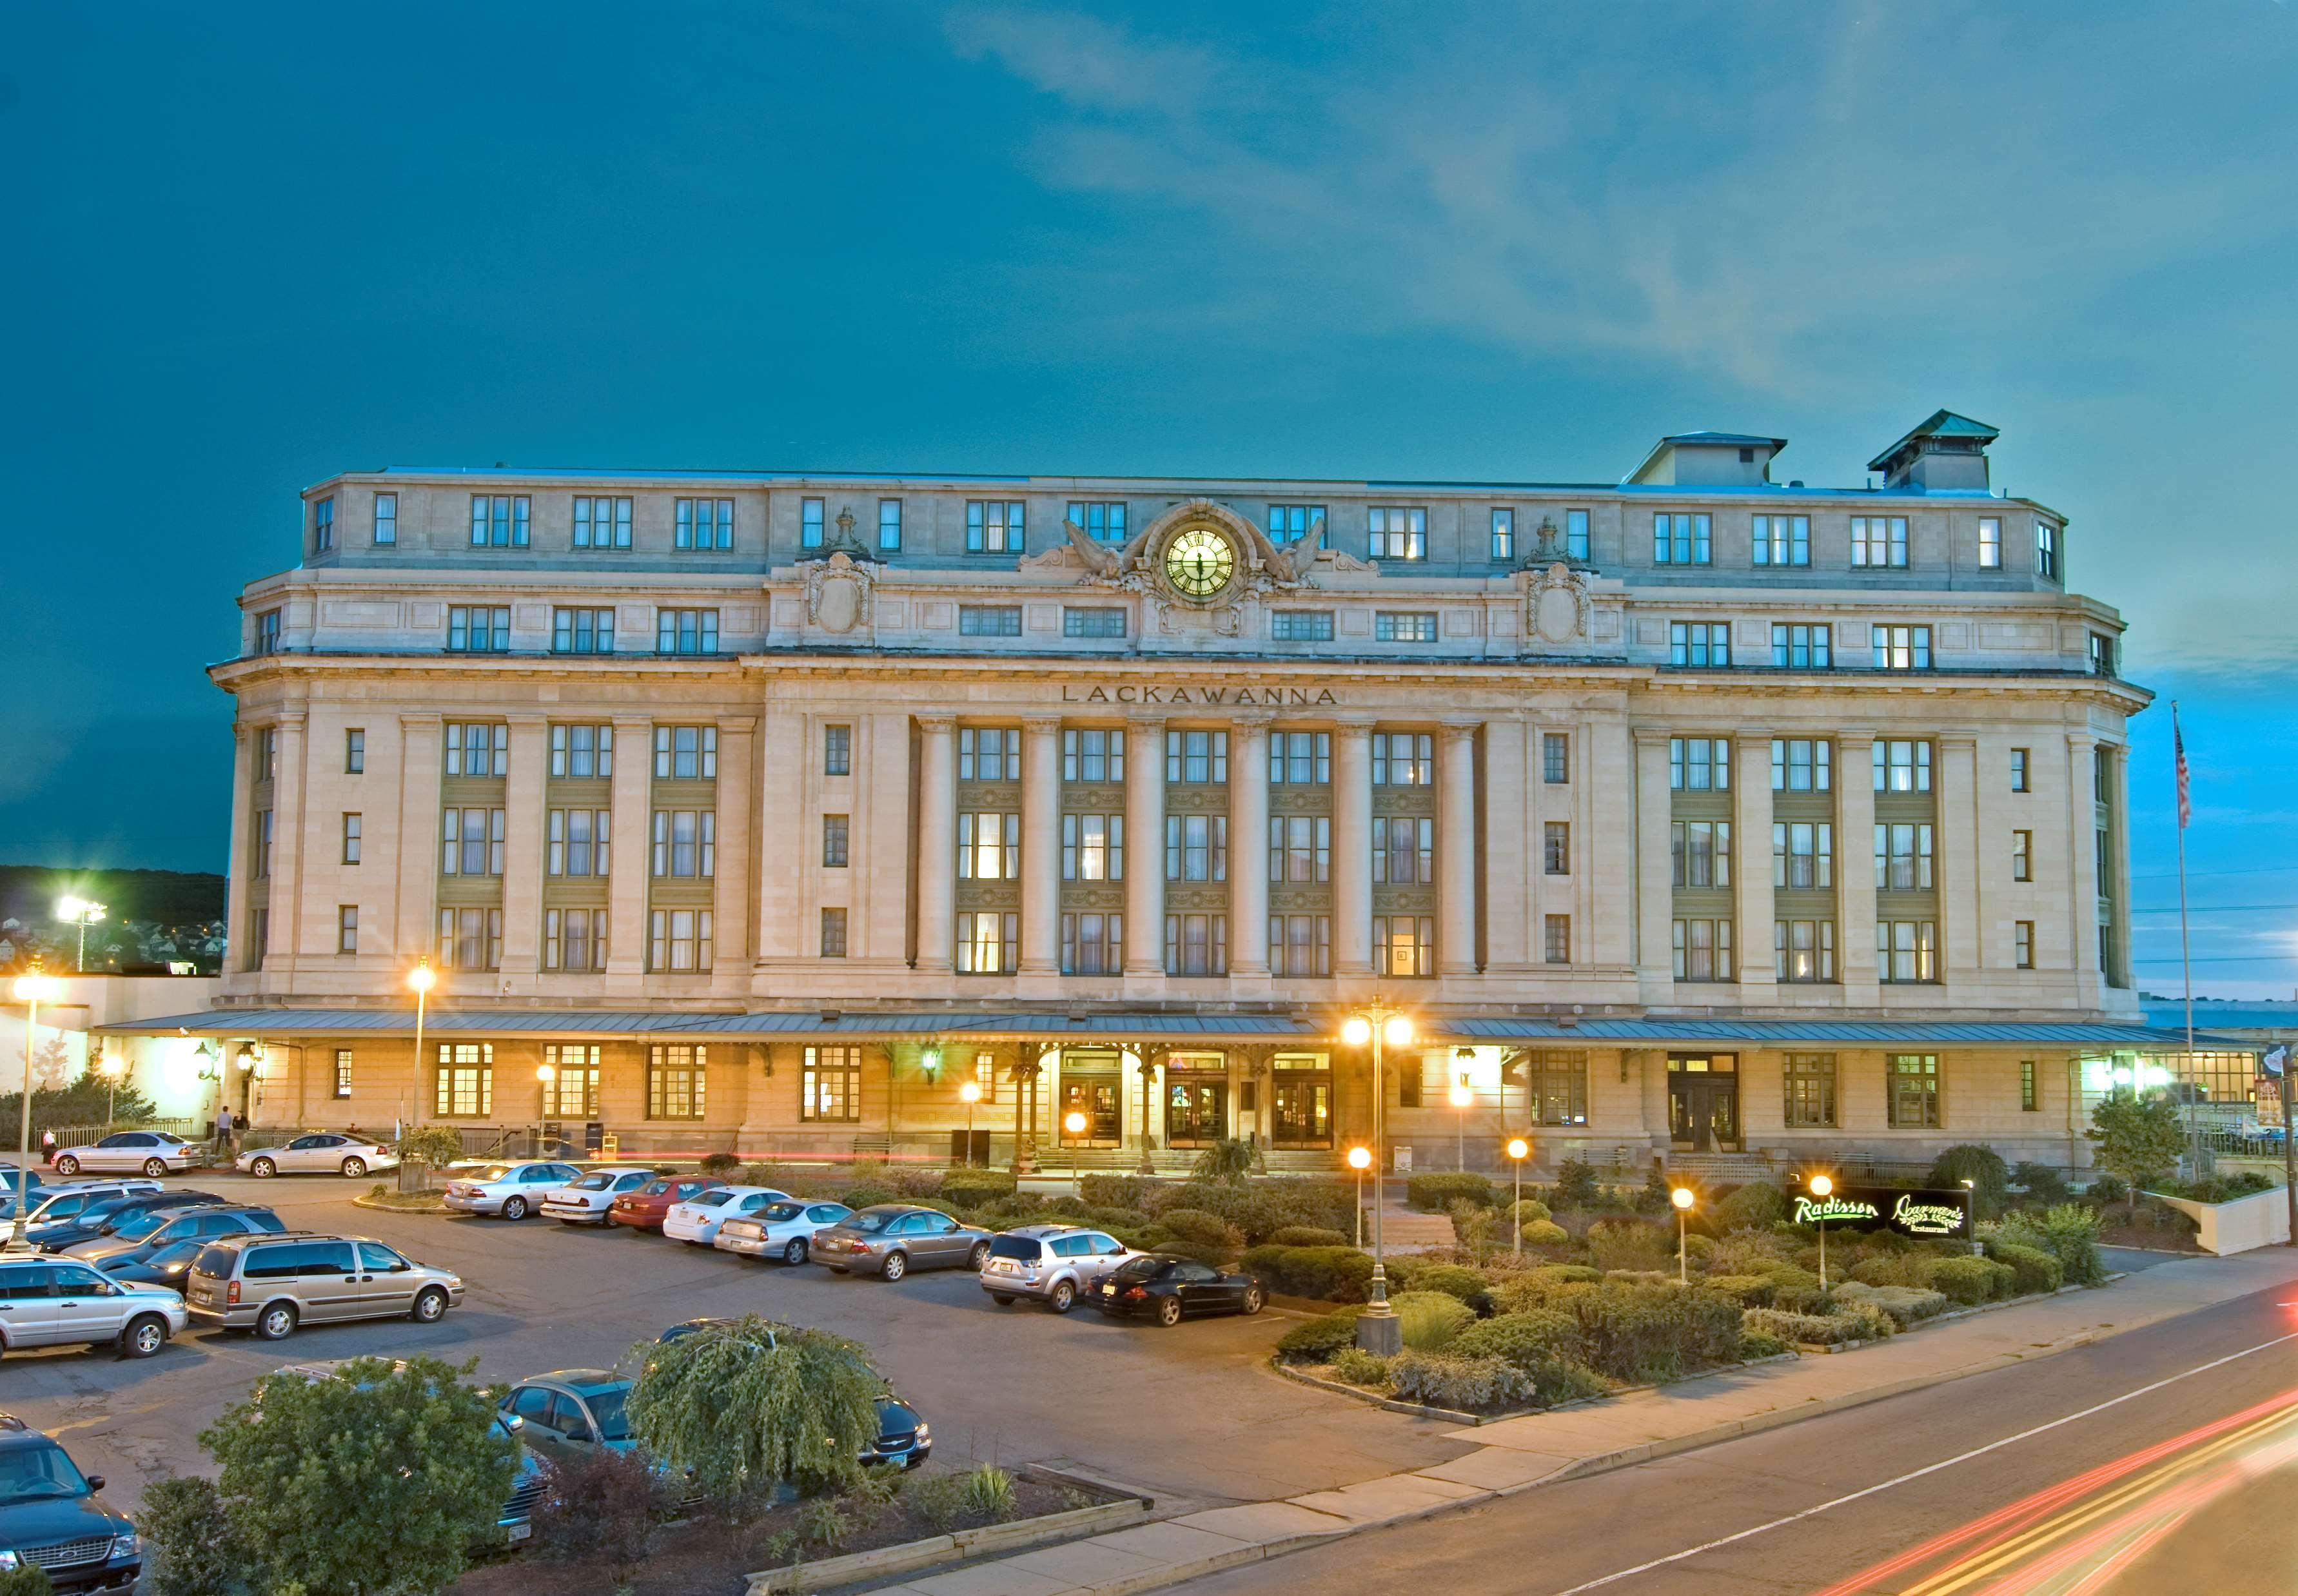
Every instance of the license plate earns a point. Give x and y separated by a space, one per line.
520 1532
1001 1266
1109 1291
204 1297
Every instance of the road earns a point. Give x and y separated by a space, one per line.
1191 1413
2160 1463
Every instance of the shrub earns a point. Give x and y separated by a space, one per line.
1199 1234
1873 1322
1752 1252
1546 1233
1532 1211
824 1524
741 1418
29 1580
1983 1167
987 1495
720 1164
1760 1344
1464 1385
1319 1339
1309 1235
1699 1249
1230 1159
1527 1340
940 1500
599 1504
2106 1187
1431 1193
2033 1271
2067 1232
1906 1304
1261 1208
1328 1274
1756 1206
1106 1191
1629 1245
866 1196
915 1181
1807 1329
1431 1318
2043 1183
1916 1270
1749 1291
1575 1184
1794 1288
1543 1287
1971 1281
1650 1331
437 1145
1454 1281
1472 1226
197 1550
980 1188
1353 1365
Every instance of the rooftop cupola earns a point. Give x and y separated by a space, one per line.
1947 452
1708 460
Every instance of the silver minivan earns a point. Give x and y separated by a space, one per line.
272 1283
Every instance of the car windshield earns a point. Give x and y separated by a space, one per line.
174 1252
655 1188
168 1140
597 1182
36 1473
713 1199
607 1406
135 1226
872 1219
1015 1246
214 1261
774 1213
1139 1269
494 1171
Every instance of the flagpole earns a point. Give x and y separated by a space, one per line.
2186 962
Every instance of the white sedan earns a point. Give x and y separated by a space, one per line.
148 1153
513 1190
586 1201
323 1152
697 1220
783 1230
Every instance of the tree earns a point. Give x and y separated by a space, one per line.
84 1102
437 1145
742 1416
2138 1138
1230 1159
376 1480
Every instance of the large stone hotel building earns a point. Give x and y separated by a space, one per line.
1696 815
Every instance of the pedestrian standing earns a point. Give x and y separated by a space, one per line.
48 1148
223 1126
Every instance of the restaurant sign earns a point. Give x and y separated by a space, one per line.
1919 1215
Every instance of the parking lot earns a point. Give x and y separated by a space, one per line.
1191 1413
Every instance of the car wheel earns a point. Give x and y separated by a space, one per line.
430 1305
354 1168
1168 1311
144 1337
514 1207
263 1168
896 1266
1253 1300
1002 1300
67 1165
153 1168
978 1259
276 1323
795 1252
1064 1297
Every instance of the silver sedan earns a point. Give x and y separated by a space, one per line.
323 1152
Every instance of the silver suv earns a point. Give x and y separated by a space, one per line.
1055 1264
271 1284
61 1302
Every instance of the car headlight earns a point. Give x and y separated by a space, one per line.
127 1545
8 1563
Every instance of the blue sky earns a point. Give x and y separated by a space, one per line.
251 246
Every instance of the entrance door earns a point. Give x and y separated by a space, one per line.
1303 1116
1197 1110
1703 1101
1096 1097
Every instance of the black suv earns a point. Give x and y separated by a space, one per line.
51 1519
107 1219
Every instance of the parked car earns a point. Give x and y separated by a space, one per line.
1053 1264
783 1230
696 1221
321 1153
570 1411
1172 1289
53 1518
157 1227
646 1208
150 1153
890 1239
272 1283
53 1204
61 1302
107 1218
20 1185
905 1439
167 1267
585 1202
512 1190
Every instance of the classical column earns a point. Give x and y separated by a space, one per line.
1041 846
2082 868
1248 849
1960 890
632 796
417 860
937 822
730 899
524 834
1751 860
238 907
1144 847
1511 841
1353 848
1855 868
287 788
1654 878
1456 849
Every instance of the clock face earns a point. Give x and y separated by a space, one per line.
1200 562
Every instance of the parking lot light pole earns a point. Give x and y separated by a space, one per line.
1518 1149
32 990
970 1094
1819 1186
1378 1330
1360 1160
1682 1196
420 981
111 1069
79 912
1464 1098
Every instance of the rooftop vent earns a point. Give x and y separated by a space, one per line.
1946 452
1709 461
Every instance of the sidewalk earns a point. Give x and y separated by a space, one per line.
1517 1454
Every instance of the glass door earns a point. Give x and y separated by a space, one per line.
1303 1116
1096 1098
1197 1110
1703 1101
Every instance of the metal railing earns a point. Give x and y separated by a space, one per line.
88 1135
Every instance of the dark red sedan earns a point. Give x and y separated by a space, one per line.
643 1209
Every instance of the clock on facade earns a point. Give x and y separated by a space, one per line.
1199 562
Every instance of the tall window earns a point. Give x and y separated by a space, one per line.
990 620
465 1081
1093 847
354 751
1555 758
1913 1079
993 527
1878 541
989 753
1198 945
1504 533
1703 949
1196 847
1907 950
833 841
1093 944
1699 853
1102 521
679 941
1903 858
988 943
1404 626
686 631
1403 945
1556 1089
2029 1098
342 1072
1290 523
478 629
1090 754
575 940
1099 621
477 748
602 522
386 517
1576 534
470 938
259 938
2047 552
685 753
1301 945
1398 532
1681 541
581 752
1699 642
1700 764
1782 540
1990 542
351 838
703 524
471 842
833 933
1403 851
323 525
1403 759
582 631
2018 770
1301 625
1300 847
1802 854
2102 653
1901 648
1801 765
573 1090
1300 759
838 750
686 843
1558 938
1810 1089
259 829
1201 756
1803 950
830 1084
1902 766
2023 855
500 521
809 523
1800 645
576 842
347 928
889 525
989 847
266 633
1556 847
676 1074
2022 943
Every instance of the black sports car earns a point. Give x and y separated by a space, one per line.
1169 1290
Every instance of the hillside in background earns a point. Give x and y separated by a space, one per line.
29 894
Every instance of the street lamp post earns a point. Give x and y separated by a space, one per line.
1682 1196
1360 1160
543 1075
1464 1098
1378 1330
421 980
1819 1186
111 1069
1518 1149
969 1094
32 990
82 913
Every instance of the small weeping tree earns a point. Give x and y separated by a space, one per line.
746 1406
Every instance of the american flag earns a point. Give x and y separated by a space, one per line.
2179 743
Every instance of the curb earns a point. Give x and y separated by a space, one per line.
366 1202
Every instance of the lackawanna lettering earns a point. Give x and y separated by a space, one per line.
1926 1219
1810 1213
1174 692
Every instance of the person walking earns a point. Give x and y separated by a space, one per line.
223 1130
48 1148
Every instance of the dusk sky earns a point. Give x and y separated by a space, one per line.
249 246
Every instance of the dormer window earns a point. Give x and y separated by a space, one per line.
2047 552
323 525
1103 522
501 520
